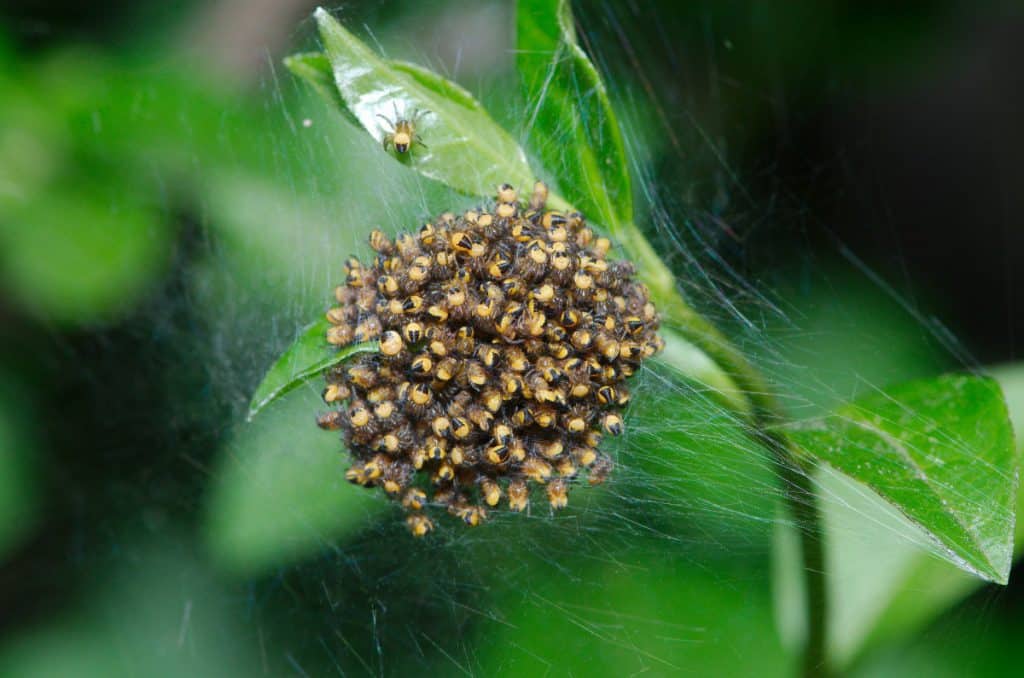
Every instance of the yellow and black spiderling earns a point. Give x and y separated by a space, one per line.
402 133
505 340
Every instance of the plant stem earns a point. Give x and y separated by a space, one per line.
798 488
802 502
763 414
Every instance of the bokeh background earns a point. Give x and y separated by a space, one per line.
838 183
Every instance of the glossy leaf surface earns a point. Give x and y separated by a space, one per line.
462 145
315 69
306 358
941 451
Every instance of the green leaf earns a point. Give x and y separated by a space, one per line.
570 121
873 554
436 83
693 363
841 343
315 69
885 582
941 451
280 494
468 151
929 587
572 127
306 358
925 586
463 146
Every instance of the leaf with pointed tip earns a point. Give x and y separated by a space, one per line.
941 451
571 124
462 145
306 358
924 586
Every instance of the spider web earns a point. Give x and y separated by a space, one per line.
663 569
648 571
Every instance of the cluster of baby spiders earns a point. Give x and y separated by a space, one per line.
505 339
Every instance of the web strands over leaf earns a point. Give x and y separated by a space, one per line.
679 499
705 478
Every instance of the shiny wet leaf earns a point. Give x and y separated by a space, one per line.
461 145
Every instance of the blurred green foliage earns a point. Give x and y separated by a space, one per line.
662 614
281 493
160 613
86 221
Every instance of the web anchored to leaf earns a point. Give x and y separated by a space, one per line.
939 451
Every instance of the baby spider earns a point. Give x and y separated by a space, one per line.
402 134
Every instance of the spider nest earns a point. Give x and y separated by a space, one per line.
506 338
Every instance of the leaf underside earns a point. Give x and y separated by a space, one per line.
315 69
279 493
